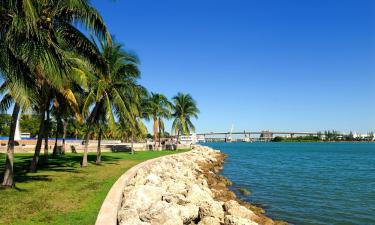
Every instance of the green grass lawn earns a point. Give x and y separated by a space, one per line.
63 192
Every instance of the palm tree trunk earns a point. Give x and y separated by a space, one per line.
34 162
132 144
55 150
64 136
99 151
87 138
46 137
179 132
91 122
8 180
159 134
155 131
178 136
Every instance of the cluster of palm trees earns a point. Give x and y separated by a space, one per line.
58 60
182 108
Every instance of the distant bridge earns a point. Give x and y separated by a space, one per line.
263 135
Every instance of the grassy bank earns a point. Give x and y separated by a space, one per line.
63 192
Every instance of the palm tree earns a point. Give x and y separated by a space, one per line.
66 95
61 112
37 34
184 107
13 93
132 126
157 107
106 94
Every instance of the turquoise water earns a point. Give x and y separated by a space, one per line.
306 183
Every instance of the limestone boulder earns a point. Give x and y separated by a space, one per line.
127 214
133 221
235 220
231 204
130 217
174 198
211 209
196 194
142 197
170 215
234 208
209 221
153 179
189 213
176 187
153 212
161 212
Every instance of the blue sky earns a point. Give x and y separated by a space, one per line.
258 64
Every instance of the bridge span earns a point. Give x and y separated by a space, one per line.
250 135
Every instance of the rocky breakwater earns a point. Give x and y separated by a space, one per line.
185 189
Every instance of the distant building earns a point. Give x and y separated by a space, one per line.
189 139
25 135
201 138
266 134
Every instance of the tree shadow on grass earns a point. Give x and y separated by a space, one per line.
70 163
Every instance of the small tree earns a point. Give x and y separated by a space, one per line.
371 136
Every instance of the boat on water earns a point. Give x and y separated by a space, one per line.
246 139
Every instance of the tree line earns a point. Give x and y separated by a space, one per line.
73 82
328 135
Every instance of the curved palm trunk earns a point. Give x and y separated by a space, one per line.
46 146
155 131
8 180
99 150
34 162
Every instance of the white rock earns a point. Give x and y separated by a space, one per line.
174 198
127 214
153 179
189 213
175 186
142 197
234 220
211 209
196 194
209 221
234 208
133 221
171 215
154 211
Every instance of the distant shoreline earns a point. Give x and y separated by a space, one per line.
292 141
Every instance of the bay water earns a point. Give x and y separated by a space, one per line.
305 183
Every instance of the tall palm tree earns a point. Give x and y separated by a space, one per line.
66 108
184 108
13 93
106 94
38 33
67 94
16 88
158 108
